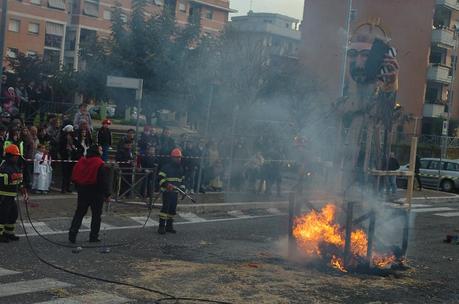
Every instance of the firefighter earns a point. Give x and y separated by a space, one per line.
170 178
10 183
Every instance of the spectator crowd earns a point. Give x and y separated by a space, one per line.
208 165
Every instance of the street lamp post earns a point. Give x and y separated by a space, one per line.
3 33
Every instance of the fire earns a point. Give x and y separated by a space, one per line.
338 263
318 234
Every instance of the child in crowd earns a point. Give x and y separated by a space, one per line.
42 170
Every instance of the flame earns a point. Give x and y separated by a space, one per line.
317 231
338 263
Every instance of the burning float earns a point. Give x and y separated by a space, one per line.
348 247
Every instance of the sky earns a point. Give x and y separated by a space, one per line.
292 8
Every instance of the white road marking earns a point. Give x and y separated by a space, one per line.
87 223
401 200
178 223
421 210
142 219
448 214
406 206
5 272
191 217
238 214
40 226
22 287
94 298
273 211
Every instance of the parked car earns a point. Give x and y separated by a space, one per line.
435 173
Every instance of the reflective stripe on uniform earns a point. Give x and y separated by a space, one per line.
10 228
2 229
5 178
164 216
170 179
7 193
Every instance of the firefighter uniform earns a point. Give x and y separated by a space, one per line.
10 181
170 177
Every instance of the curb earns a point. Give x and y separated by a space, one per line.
221 207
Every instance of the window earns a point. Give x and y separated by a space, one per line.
57 4
182 7
91 8
210 14
51 56
14 25
12 53
159 2
54 34
435 165
36 2
424 164
34 28
107 15
452 167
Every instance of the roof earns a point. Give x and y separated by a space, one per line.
216 6
266 15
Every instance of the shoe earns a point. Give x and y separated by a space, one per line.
170 227
72 238
94 240
162 230
12 237
4 239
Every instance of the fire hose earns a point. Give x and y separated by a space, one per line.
166 296
184 194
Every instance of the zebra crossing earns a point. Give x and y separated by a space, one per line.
16 287
432 209
59 225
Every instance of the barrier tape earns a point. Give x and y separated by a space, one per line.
168 156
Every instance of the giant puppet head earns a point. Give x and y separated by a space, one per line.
359 49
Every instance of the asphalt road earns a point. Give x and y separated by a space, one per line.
237 259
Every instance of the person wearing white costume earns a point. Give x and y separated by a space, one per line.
42 170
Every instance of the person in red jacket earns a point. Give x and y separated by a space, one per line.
91 179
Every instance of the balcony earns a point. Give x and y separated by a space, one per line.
451 4
434 110
443 37
439 73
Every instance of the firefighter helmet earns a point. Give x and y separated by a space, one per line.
12 150
176 153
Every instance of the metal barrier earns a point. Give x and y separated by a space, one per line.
129 184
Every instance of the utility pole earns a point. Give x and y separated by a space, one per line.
348 34
3 34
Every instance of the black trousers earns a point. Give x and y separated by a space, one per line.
66 176
169 207
418 179
8 214
88 199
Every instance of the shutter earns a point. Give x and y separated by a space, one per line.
54 29
91 9
59 4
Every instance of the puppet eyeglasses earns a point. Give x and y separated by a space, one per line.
353 53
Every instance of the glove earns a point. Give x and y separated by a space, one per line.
182 187
170 187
